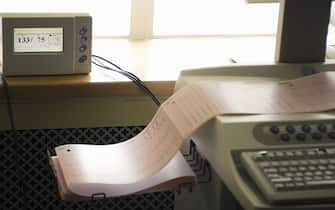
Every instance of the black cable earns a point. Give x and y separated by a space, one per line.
100 64
137 81
116 66
129 75
20 171
9 104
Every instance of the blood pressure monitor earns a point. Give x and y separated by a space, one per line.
46 44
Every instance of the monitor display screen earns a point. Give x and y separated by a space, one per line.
35 40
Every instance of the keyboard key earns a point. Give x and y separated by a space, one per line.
317 178
327 177
294 162
261 156
275 163
299 174
264 164
299 153
311 153
270 170
312 168
320 183
323 161
289 174
308 178
322 168
320 153
283 169
331 151
303 162
284 163
318 173
270 155
308 173
298 179
329 173
290 185
279 186
271 176
289 154
299 184
282 179
279 154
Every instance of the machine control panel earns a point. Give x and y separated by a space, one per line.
303 132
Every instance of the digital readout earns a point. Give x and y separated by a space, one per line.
38 40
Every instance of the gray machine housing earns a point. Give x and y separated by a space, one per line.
77 45
222 139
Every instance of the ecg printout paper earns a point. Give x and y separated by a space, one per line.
174 173
180 115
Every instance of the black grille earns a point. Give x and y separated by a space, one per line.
24 157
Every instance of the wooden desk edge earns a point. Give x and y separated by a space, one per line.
84 89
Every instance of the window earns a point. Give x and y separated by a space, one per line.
214 17
110 18
163 17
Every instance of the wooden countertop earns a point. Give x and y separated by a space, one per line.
157 62
98 83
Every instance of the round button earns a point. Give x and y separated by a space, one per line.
306 128
274 129
301 136
83 30
331 135
83 39
285 137
316 136
322 127
82 59
82 48
290 129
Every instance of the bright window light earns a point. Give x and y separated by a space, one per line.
110 18
214 17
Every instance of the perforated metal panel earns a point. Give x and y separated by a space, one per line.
25 157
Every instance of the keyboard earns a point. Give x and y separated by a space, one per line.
292 175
